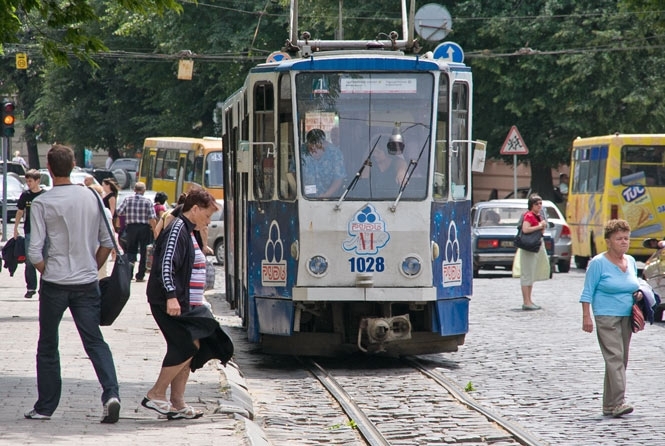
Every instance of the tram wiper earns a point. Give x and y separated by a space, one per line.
408 174
352 184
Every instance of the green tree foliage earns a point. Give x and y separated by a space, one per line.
559 69
60 27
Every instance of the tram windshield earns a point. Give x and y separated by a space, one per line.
367 133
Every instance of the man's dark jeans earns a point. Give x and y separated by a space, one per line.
84 304
139 236
30 271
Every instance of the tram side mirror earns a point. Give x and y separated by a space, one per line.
650 243
242 157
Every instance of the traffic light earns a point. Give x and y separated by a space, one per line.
8 118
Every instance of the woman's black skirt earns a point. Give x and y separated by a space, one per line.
181 331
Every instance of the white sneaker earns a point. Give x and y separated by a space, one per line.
33 415
111 412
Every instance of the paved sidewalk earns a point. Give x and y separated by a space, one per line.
138 348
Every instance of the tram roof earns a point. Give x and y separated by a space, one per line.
374 61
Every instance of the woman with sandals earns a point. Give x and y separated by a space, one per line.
175 293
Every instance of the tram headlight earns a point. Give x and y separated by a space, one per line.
318 265
411 266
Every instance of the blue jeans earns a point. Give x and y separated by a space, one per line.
30 271
84 304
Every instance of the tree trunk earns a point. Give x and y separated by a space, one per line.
541 182
31 142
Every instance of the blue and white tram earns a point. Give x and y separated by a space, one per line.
377 267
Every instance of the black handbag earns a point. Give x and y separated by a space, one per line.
529 242
115 288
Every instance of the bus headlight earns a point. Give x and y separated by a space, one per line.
411 266
318 265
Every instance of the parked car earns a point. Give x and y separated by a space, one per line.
14 190
216 233
17 168
563 243
77 177
125 171
493 230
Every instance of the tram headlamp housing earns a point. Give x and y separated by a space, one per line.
411 266
318 266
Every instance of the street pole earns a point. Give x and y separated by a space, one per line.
6 143
515 175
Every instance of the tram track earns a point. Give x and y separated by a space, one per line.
520 434
364 416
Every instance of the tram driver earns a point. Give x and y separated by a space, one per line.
322 166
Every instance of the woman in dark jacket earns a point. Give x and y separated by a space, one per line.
175 293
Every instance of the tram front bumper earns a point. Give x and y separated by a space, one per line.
348 294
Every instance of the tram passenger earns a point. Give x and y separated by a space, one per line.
322 166
387 171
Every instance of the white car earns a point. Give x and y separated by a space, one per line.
77 177
563 244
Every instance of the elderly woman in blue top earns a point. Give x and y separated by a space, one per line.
609 287
322 166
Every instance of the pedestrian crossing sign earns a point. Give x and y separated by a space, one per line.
514 144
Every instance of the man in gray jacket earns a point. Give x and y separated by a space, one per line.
68 244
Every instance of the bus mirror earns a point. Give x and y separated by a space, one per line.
242 157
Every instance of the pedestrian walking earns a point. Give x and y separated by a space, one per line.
68 244
610 288
19 159
140 220
175 293
33 179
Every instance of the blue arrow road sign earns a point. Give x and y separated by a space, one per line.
449 51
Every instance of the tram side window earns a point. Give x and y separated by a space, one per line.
286 157
459 168
263 147
440 186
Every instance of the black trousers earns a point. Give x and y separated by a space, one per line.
139 236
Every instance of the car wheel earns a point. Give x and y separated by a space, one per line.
219 252
563 265
581 262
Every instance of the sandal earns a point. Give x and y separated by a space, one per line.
161 406
188 413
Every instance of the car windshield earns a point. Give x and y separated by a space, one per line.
129 164
500 216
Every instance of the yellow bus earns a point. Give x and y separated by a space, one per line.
616 176
172 164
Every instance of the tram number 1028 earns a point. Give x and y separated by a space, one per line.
367 264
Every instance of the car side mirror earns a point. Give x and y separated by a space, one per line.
651 243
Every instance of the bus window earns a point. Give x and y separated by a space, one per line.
190 167
642 165
170 167
214 170
159 165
